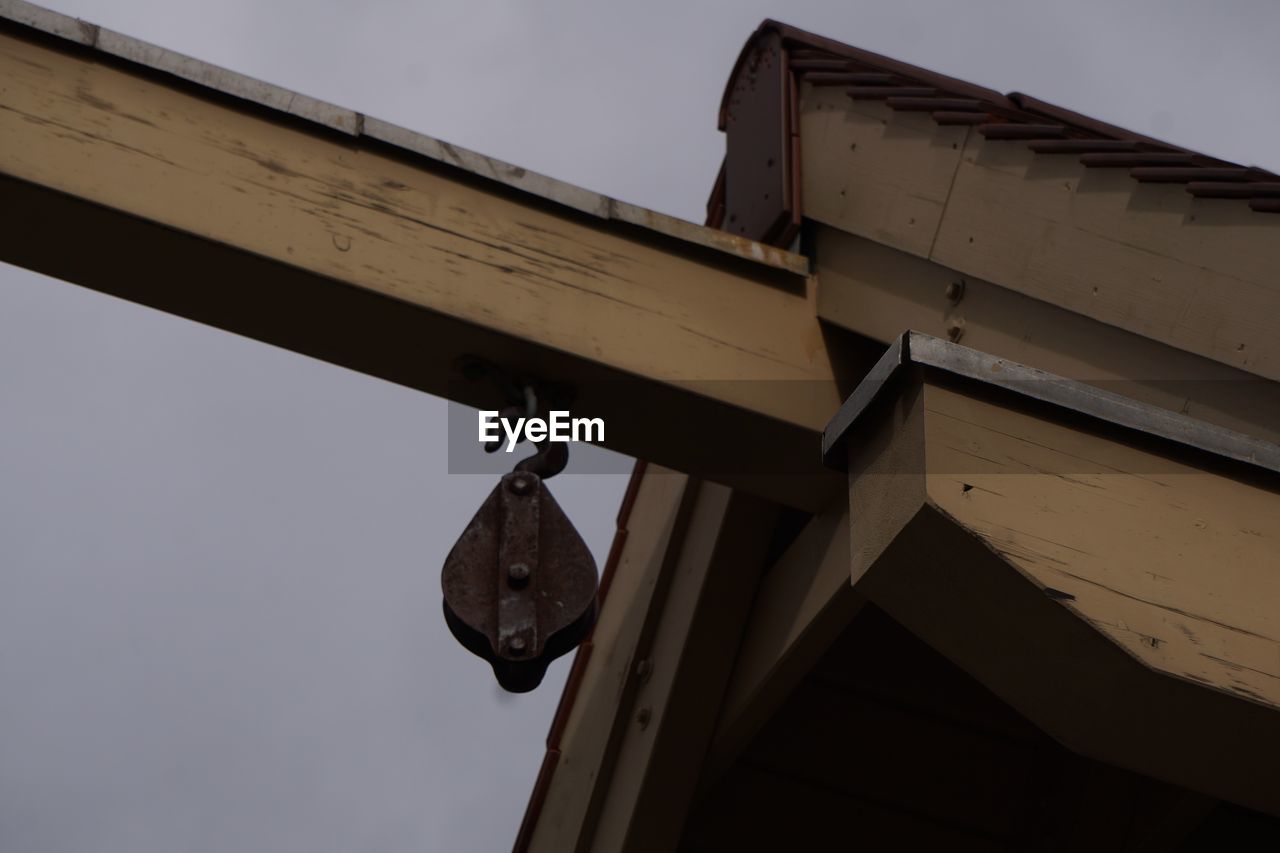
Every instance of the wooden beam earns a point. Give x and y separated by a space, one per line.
877 291
1057 669
952 776
1194 274
873 171
1110 588
1170 562
593 725
696 349
660 659
756 810
927 741
690 656
804 602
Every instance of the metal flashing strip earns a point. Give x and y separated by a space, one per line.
916 348
355 124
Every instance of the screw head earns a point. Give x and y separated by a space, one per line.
644 669
518 574
954 291
521 484
516 646
643 716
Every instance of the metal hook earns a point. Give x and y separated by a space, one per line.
520 584
550 457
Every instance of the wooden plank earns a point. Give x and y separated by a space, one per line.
689 655
1055 668
1056 563
874 171
1194 274
803 603
757 810
655 529
361 254
942 772
1108 803
883 719
1198 275
78 34
1174 564
878 292
886 489
660 658
878 659
1058 798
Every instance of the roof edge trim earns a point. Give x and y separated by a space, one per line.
917 348
357 125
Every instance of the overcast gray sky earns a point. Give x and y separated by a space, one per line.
219 604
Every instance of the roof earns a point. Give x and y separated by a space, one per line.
355 124
759 115
1078 398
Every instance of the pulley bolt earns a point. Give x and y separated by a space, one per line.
521 485
518 575
516 646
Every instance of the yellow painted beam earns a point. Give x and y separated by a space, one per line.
627 759
804 601
683 667
1194 274
876 291
347 248
596 720
1116 591
1174 564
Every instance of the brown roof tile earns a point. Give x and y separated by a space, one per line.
746 193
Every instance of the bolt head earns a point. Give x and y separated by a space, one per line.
644 669
521 484
518 574
516 646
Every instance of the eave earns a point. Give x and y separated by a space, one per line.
1137 233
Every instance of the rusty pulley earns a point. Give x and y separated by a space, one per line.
520 584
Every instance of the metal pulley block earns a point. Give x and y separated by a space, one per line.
520 584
